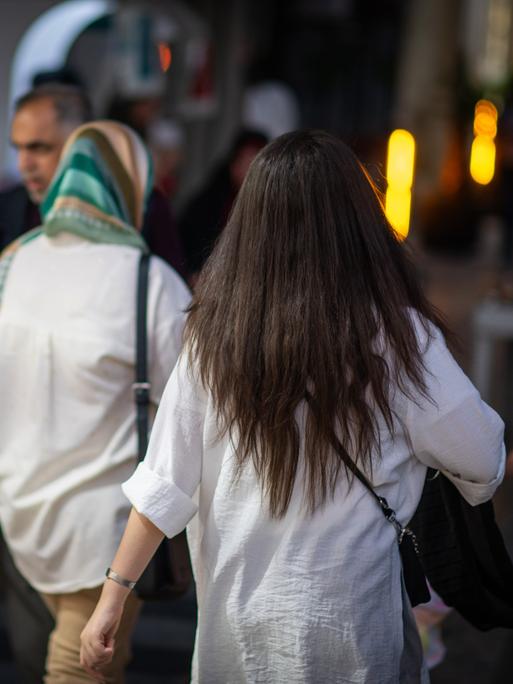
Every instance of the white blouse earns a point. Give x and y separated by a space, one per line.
67 424
307 599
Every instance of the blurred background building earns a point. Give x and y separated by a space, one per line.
189 75
208 67
358 68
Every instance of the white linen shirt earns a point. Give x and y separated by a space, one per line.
307 599
67 423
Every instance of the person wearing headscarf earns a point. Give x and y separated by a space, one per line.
67 356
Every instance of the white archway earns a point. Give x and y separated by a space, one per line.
46 44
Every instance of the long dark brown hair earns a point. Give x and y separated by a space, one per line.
307 277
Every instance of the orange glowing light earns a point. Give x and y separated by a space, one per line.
485 119
482 154
165 56
485 124
487 107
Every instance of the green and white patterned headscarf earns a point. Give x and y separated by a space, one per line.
101 185
99 190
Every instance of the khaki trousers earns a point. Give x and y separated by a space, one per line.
71 613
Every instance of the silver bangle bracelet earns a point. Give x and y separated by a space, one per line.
128 584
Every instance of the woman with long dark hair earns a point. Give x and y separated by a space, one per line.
309 349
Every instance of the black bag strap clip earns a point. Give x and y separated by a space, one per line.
388 512
141 387
141 392
402 531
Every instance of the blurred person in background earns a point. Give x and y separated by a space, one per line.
67 355
310 350
42 122
142 114
268 103
43 119
137 112
166 142
206 213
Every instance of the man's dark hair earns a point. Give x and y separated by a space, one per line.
71 103
65 75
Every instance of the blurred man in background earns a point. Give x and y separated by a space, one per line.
43 120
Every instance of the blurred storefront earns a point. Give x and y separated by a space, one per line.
212 66
357 68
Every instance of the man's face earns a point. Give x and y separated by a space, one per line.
38 137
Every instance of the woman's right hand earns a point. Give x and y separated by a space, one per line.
97 638
138 544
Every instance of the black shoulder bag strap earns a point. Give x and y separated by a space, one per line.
141 385
414 576
169 573
413 573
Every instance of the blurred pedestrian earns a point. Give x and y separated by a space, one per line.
43 119
269 104
160 229
166 142
67 355
138 112
206 213
309 350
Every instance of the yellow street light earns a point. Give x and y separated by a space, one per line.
482 159
400 169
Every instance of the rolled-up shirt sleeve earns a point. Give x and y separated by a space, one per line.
454 431
162 487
